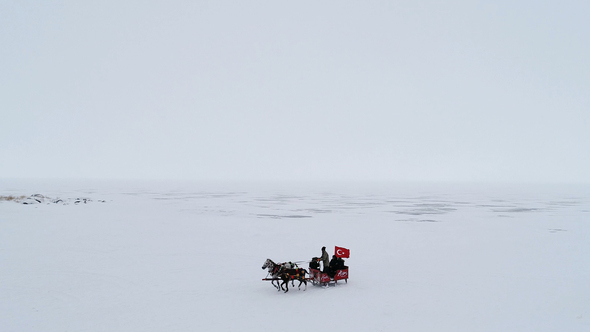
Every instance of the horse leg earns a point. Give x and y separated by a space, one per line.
302 281
297 276
301 278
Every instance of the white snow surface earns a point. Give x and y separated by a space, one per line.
171 256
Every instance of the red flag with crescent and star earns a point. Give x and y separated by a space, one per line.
341 252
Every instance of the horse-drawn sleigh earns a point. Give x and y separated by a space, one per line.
282 273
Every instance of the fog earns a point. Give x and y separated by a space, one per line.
307 90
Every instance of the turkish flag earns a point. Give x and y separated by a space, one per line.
341 252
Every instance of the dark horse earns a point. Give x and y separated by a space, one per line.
292 275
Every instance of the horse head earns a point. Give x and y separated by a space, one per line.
267 263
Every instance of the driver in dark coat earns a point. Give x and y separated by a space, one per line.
315 263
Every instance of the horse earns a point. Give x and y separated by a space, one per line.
274 270
293 274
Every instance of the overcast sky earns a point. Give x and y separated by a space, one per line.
313 90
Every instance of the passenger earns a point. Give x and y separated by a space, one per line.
325 259
340 264
333 266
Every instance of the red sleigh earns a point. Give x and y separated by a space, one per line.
318 277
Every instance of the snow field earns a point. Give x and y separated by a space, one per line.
184 257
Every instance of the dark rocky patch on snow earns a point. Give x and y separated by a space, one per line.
42 199
419 220
516 210
276 216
